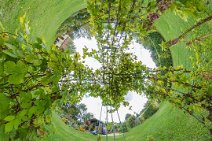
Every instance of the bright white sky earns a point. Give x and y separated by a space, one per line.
135 100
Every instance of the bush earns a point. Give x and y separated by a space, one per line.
123 127
152 43
150 108
131 121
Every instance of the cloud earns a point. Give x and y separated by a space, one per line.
129 96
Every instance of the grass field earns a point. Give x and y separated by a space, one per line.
61 132
171 26
168 124
45 16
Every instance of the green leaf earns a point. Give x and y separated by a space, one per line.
26 104
210 90
19 53
32 111
10 53
38 121
1 69
9 118
8 127
33 59
22 113
9 66
10 46
26 97
17 72
4 104
37 45
16 123
48 119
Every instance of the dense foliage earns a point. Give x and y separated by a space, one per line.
150 108
160 57
31 76
35 76
74 115
115 23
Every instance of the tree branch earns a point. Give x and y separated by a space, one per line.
176 40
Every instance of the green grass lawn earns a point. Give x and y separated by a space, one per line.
44 16
168 124
61 132
170 27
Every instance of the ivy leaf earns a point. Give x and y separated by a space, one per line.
9 118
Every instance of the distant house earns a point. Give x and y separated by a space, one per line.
63 41
95 126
